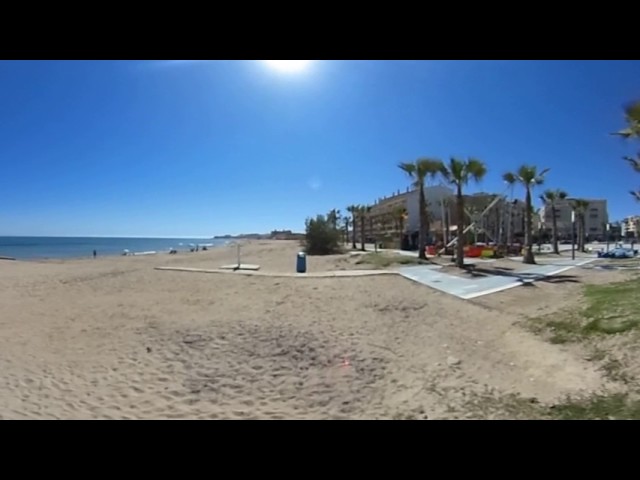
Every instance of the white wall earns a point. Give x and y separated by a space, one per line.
433 195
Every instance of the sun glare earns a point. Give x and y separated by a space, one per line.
288 66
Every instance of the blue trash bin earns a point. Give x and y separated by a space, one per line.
301 262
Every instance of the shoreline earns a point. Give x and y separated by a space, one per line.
158 253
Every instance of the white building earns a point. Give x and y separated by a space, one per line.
596 217
409 200
629 227
434 196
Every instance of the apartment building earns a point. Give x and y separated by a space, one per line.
384 212
503 223
596 218
629 227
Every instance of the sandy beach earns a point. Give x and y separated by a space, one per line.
114 338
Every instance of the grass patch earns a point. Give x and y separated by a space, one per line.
619 406
381 260
613 308
598 407
610 309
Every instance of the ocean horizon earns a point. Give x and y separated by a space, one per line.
40 248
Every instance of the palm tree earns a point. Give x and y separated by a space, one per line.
580 207
633 162
549 197
363 212
345 223
353 210
458 173
420 171
332 217
527 176
632 117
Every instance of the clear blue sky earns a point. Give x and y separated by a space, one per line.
203 148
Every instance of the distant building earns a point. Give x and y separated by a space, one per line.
629 227
503 223
384 212
596 218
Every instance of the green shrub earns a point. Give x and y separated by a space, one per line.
321 237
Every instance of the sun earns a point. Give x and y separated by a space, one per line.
288 66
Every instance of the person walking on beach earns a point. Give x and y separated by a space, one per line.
95 254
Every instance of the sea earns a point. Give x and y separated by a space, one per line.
39 248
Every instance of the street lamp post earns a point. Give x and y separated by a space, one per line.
573 235
608 228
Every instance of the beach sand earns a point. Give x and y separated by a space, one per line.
115 338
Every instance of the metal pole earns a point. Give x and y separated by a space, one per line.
442 221
608 227
573 236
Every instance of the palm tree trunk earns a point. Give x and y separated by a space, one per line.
528 256
554 228
362 232
401 228
460 238
354 221
581 238
346 231
580 234
422 241
375 243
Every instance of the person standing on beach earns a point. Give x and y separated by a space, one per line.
95 254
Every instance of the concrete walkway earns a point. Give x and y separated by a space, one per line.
336 273
468 288
429 275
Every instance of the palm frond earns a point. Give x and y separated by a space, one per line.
510 177
632 117
539 180
427 168
634 162
635 194
476 169
408 168
549 195
632 112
